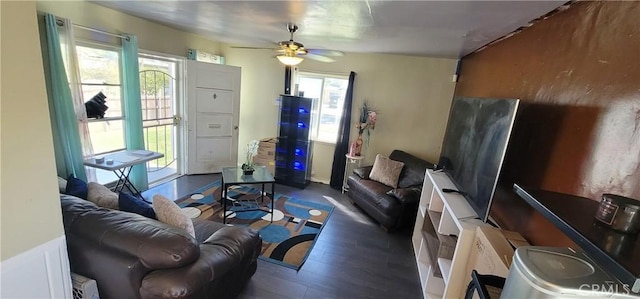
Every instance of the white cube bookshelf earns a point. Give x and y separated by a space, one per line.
442 238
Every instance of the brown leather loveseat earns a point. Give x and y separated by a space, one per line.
131 256
392 207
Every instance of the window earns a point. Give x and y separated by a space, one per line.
329 92
99 67
100 72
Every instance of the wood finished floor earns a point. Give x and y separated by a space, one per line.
352 258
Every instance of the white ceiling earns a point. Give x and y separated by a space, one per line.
430 28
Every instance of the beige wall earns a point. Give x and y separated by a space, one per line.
412 95
322 162
151 36
29 190
262 83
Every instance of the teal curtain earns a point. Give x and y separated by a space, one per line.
134 138
64 123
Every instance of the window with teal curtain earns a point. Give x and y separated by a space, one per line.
134 135
67 142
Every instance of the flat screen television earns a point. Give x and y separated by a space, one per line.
474 147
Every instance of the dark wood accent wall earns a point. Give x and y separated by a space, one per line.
577 74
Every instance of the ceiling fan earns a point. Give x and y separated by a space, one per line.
291 52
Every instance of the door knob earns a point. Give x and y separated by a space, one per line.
176 120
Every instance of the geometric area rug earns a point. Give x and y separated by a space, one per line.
287 241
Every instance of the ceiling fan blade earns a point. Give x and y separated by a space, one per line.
325 52
296 49
252 48
319 57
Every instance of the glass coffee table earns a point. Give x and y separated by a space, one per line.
233 176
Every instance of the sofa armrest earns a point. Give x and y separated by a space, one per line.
114 271
223 252
363 172
183 282
406 196
205 228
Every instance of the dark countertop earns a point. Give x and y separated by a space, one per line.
615 252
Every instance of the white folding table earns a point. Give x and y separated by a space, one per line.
121 163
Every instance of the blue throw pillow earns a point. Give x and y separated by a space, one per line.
76 187
133 204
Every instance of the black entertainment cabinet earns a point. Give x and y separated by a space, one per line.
617 253
294 148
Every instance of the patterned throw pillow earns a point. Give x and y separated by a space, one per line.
170 213
102 196
386 171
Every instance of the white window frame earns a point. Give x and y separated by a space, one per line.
318 104
108 47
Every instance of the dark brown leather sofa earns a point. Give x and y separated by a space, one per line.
392 208
131 256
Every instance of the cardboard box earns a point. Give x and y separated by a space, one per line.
515 239
269 163
268 144
492 251
266 153
267 148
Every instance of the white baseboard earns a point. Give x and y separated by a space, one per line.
40 272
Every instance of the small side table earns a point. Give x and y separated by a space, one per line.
232 176
356 160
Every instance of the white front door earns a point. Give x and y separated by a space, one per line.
213 101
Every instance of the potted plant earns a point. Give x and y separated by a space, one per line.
252 149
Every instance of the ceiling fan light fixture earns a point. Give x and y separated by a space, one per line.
289 60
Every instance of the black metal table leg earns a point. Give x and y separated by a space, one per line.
234 177
122 175
224 202
123 181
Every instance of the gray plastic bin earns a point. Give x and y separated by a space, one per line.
550 272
